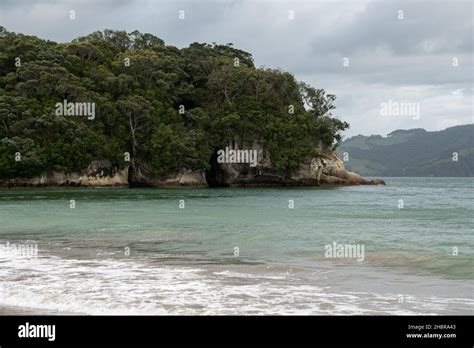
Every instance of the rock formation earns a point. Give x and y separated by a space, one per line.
327 169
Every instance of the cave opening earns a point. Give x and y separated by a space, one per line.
216 175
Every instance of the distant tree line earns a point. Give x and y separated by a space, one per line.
168 107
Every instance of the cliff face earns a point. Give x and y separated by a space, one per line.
141 175
98 173
324 170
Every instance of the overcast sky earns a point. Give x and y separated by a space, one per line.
408 60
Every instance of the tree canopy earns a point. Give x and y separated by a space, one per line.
168 107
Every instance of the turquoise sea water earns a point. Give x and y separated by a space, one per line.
242 251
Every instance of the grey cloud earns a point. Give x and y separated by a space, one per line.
389 58
427 27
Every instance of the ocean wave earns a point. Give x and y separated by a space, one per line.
110 287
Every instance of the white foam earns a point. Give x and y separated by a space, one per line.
139 287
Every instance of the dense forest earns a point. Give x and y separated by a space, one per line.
170 108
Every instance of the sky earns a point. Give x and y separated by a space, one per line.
372 54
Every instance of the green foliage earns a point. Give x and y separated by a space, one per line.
30 161
137 104
413 152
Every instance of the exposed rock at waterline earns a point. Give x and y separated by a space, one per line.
98 173
141 175
324 170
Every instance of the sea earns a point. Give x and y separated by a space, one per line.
406 248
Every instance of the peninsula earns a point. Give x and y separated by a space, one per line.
158 116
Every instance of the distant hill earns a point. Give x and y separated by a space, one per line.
413 152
